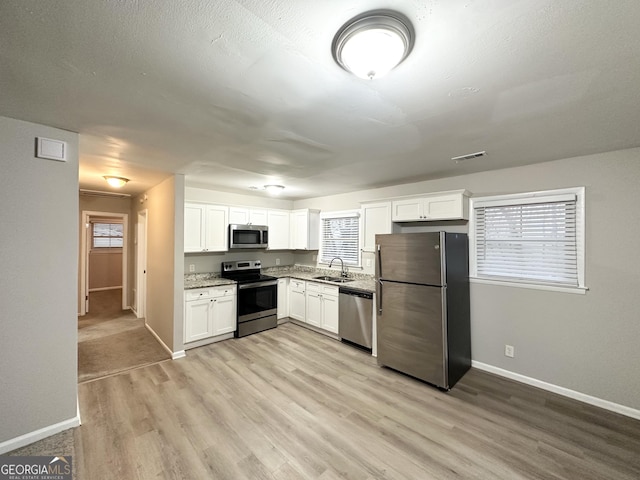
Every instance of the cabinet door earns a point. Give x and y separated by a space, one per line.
299 231
330 313
194 227
216 228
224 315
279 225
444 207
283 298
197 320
238 215
297 304
377 219
314 309
257 216
407 210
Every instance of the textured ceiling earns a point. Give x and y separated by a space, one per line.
244 93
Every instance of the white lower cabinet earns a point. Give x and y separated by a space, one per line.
322 306
209 312
297 300
283 298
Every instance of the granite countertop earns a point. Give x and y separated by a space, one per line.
363 282
204 280
360 281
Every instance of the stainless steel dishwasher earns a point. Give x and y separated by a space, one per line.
356 310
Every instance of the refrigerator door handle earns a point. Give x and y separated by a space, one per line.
379 259
379 297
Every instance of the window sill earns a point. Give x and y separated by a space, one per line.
533 286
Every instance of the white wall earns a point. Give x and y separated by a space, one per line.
165 263
38 284
586 343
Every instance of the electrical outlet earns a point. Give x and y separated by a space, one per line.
509 351
277 261
315 257
368 262
192 267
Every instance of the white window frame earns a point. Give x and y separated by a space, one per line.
341 214
109 249
476 202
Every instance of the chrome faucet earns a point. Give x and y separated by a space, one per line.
343 271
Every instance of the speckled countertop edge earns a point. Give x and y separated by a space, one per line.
360 281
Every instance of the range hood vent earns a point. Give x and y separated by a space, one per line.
468 156
98 193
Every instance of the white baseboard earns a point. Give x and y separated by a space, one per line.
174 355
29 438
178 354
581 397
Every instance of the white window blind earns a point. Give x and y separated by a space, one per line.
340 237
107 235
528 239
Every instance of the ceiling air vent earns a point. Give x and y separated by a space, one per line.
469 156
98 193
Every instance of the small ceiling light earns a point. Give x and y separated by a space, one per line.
116 182
373 43
274 189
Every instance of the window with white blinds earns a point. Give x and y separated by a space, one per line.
340 237
107 235
532 238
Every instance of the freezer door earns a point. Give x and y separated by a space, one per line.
410 257
411 330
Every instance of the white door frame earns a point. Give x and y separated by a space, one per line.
141 264
84 256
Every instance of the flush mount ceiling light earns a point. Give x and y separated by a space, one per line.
373 43
274 189
116 182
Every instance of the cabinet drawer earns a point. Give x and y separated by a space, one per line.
330 290
197 294
322 288
223 291
297 285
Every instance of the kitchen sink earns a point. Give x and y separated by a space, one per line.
327 278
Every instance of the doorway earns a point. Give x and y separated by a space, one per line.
104 256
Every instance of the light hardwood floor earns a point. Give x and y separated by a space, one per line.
292 404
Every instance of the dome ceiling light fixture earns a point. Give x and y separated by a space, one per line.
274 189
116 182
371 44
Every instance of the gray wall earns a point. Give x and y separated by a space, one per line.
165 251
38 285
586 343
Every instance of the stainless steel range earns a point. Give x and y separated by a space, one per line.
257 296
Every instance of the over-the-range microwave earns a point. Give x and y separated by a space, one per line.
248 236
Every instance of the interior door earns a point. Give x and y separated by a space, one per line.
409 257
410 327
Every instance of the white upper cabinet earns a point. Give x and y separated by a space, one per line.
376 218
247 216
279 223
452 205
305 230
205 227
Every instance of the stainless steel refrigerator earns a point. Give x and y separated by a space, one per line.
422 292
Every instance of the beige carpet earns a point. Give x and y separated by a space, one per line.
112 340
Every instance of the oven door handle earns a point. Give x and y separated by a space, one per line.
258 284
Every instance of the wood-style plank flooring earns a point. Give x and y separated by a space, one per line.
292 404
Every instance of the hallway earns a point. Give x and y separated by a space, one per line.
112 340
